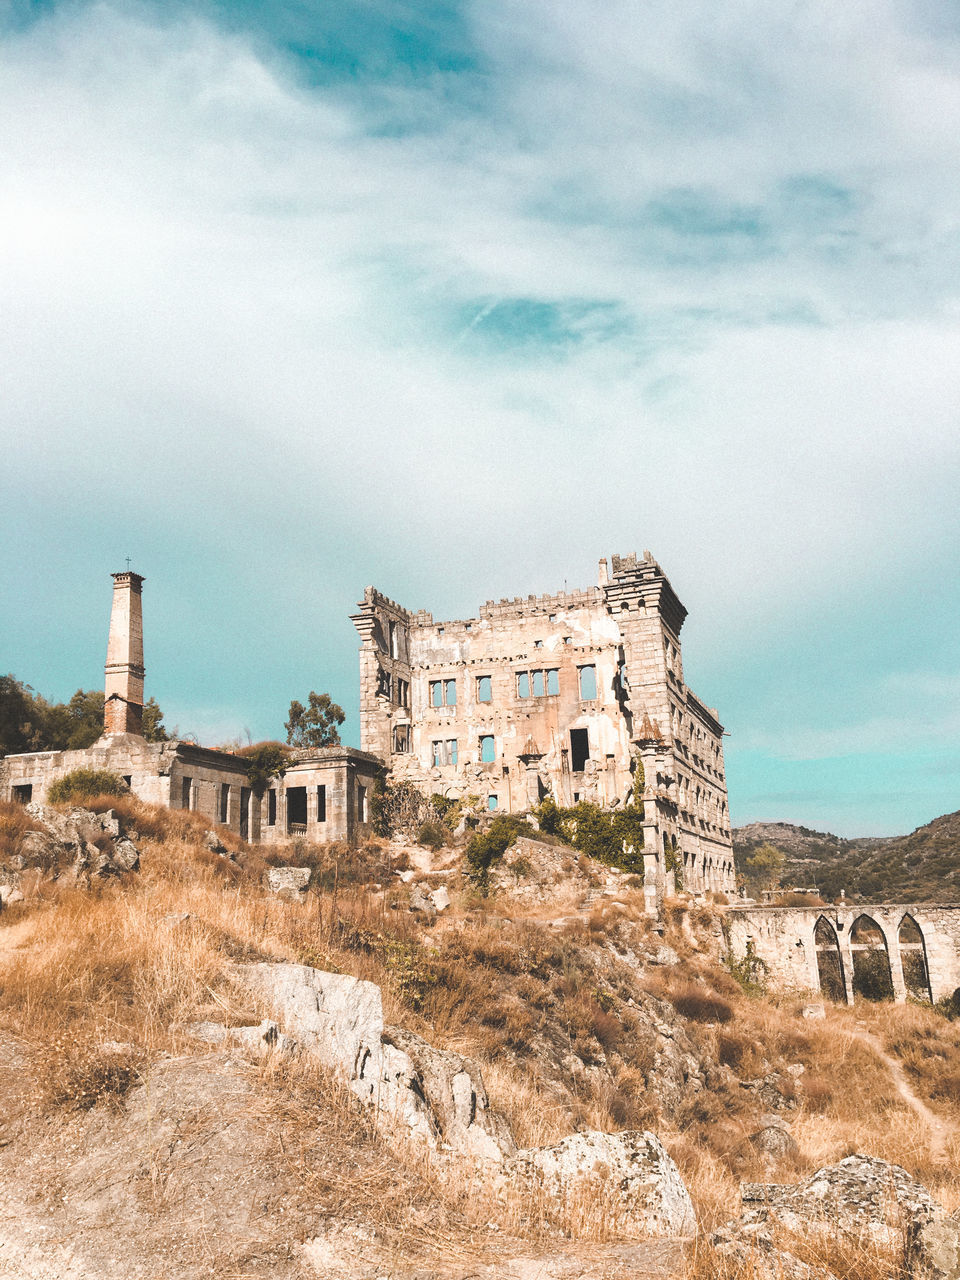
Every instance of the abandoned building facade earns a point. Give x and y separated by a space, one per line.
560 696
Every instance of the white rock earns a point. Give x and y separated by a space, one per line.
288 882
440 898
634 1165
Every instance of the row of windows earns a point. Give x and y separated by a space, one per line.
540 683
444 750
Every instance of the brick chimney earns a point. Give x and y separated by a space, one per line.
123 690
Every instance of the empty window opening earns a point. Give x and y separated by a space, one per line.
403 692
321 803
244 812
588 684
224 801
536 681
271 808
553 683
523 684
871 964
128 779
538 644
484 689
576 797
297 811
443 693
383 683
493 802
552 618
913 959
568 639
487 749
23 792
401 738
394 643
444 752
579 749
361 803
829 963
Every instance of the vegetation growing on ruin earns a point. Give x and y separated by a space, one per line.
81 785
265 761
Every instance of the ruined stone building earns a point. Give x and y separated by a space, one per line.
323 795
556 695
560 696
849 951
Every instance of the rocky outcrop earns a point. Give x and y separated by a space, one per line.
437 1096
77 845
860 1198
634 1166
440 1098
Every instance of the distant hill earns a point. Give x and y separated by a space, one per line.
921 867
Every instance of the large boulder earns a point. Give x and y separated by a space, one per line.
437 1096
648 1192
862 1197
289 882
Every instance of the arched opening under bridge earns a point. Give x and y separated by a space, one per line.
872 979
829 962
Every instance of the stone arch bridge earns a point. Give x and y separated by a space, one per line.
888 951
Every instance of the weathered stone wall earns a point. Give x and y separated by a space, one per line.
554 695
783 938
146 765
337 785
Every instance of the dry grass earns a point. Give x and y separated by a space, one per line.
551 1014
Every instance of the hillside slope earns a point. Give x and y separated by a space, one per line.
923 866
129 1147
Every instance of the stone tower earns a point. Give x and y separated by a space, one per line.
123 690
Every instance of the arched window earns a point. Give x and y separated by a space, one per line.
829 963
913 959
871 964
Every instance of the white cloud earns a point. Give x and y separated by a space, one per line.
272 312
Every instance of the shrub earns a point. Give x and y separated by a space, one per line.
749 972
487 846
431 834
265 761
700 1005
84 784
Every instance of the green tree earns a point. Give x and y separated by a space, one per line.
316 724
763 867
154 730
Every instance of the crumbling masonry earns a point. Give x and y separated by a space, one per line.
555 695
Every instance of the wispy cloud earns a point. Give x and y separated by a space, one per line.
461 298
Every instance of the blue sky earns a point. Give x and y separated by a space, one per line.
456 298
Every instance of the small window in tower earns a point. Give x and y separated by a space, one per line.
487 749
588 684
484 689
538 644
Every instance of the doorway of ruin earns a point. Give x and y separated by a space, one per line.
872 979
